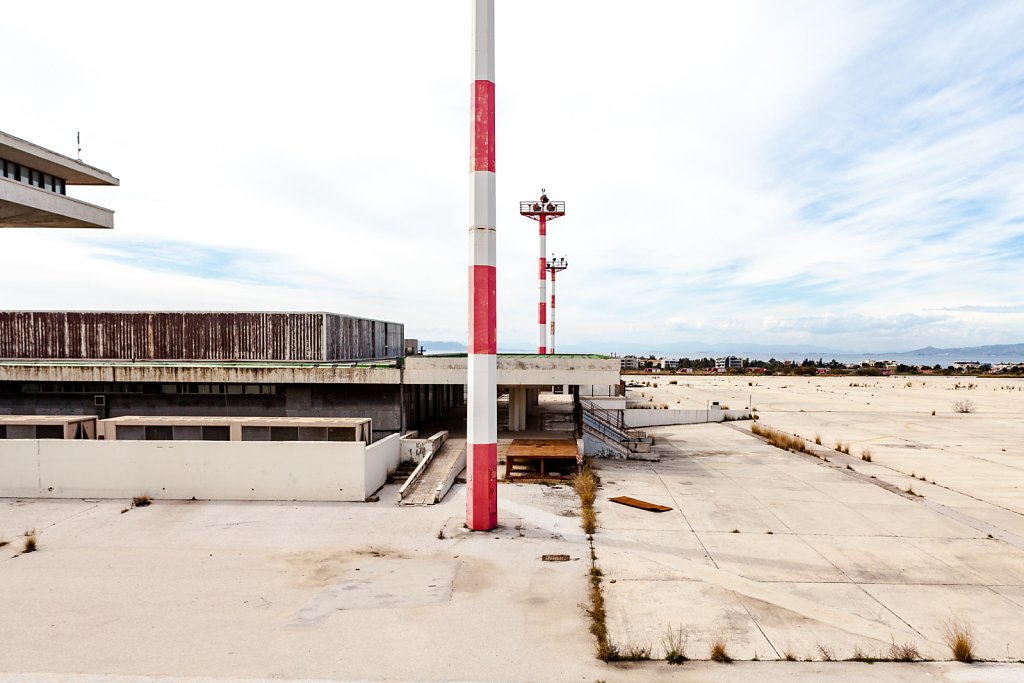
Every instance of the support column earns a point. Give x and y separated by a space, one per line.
482 375
552 342
542 288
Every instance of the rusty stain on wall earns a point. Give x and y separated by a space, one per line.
197 336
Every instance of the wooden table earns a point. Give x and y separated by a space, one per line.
541 450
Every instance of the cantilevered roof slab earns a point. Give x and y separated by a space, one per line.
40 201
24 206
74 172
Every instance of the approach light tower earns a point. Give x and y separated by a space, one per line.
482 364
554 266
542 210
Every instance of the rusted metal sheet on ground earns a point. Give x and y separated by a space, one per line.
641 504
213 336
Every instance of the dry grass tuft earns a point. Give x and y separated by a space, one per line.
789 656
141 501
588 520
958 634
817 439
30 542
827 653
865 454
966 406
585 483
635 653
907 652
674 641
778 439
719 653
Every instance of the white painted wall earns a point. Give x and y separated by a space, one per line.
382 459
19 467
640 417
209 470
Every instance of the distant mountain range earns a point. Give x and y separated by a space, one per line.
992 352
969 352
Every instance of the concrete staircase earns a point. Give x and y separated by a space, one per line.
605 434
435 477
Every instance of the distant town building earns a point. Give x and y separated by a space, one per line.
966 365
630 363
728 363
670 363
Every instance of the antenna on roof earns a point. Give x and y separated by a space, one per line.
78 136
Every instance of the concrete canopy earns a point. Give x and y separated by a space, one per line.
26 206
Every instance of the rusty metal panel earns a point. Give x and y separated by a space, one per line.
641 504
351 338
196 336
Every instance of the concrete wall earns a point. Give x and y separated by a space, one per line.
22 205
381 461
523 370
639 417
253 372
211 470
416 449
381 403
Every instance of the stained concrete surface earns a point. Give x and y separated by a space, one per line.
784 553
263 591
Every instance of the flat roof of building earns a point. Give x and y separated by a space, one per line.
43 419
208 420
72 171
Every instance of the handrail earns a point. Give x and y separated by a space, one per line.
610 421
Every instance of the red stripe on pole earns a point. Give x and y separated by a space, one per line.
552 301
483 316
541 313
482 152
543 267
482 511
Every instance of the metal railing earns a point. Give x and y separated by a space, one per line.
611 423
537 207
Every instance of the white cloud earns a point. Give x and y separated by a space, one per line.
845 165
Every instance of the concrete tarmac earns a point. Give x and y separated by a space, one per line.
772 551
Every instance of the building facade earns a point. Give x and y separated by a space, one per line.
728 363
34 182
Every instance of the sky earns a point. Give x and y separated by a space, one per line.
847 175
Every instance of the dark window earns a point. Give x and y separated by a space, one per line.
37 179
255 434
214 433
284 433
49 432
3 431
159 433
340 434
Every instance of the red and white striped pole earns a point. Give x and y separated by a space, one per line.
553 271
482 394
542 288
554 265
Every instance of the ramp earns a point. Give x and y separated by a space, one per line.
437 478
